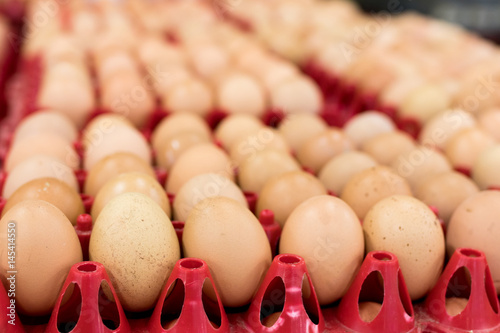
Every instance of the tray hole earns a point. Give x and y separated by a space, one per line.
289 259
172 305
108 310
382 256
210 304
87 268
310 302
272 302
69 312
404 295
458 291
470 253
191 263
491 291
371 297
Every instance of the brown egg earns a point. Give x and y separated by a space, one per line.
46 246
236 125
367 125
424 102
230 239
247 146
46 144
285 192
179 98
326 232
38 166
241 93
53 191
173 147
298 128
489 121
419 164
118 139
386 147
43 122
138 182
278 72
339 170
208 60
111 166
409 229
446 191
178 123
297 95
198 188
369 186
315 152
465 146
101 125
202 158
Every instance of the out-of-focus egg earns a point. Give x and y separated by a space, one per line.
180 97
446 191
298 128
316 151
369 186
297 95
419 164
198 188
230 239
255 172
327 234
138 182
118 139
170 149
136 242
236 125
424 102
240 93
116 62
202 158
46 246
111 166
442 126
247 146
209 61
410 230
485 170
53 191
464 147
367 125
38 166
101 125
283 193
474 224
277 72
44 122
46 144
178 123
386 147
339 170
489 121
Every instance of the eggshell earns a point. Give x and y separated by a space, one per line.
369 186
101 125
38 166
202 158
136 242
446 191
43 122
326 232
489 121
425 101
465 146
316 151
298 128
386 147
241 93
198 188
181 97
283 193
138 182
367 125
208 60
173 147
247 146
339 169
46 246
409 229
297 95
111 166
230 239
474 224
236 125
51 190
277 72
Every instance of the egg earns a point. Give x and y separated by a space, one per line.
369 186
326 232
198 188
410 230
425 101
277 72
208 60
202 158
103 124
446 191
283 193
316 151
297 95
136 242
179 98
489 121
53 191
485 169
339 169
115 62
46 246
178 123
43 122
465 146
474 224
241 93
298 128
173 147
386 147
367 125
111 166
138 182
230 239
236 125
38 166
247 146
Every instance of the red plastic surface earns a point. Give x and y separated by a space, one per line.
179 230
251 200
272 229
83 230
9 321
